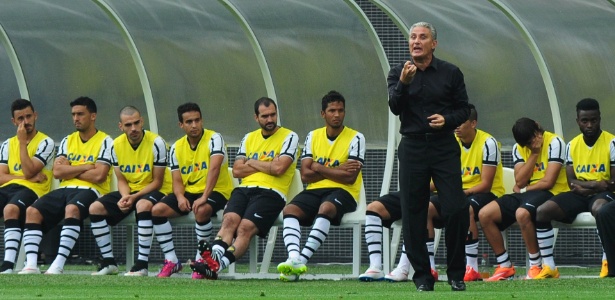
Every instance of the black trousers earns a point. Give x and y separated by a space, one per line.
605 221
422 158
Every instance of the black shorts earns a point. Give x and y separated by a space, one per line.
115 214
573 204
52 205
216 200
261 206
392 203
509 204
309 202
477 201
16 194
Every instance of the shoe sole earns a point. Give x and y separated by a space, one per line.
550 277
286 279
113 272
470 280
393 280
370 279
473 279
503 278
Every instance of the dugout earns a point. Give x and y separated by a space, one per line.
520 58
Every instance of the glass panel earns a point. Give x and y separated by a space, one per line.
501 75
576 43
196 51
69 49
314 47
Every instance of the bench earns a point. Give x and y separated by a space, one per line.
353 220
583 221
130 222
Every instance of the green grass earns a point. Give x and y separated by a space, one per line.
119 287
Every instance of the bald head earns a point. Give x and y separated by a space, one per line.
129 111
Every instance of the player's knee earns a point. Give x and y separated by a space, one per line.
97 208
523 216
203 213
230 221
32 213
432 212
327 209
485 216
292 209
546 212
159 210
373 206
378 208
11 211
72 211
245 230
144 205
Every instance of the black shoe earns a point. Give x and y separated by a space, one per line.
207 255
139 265
203 247
457 285
7 265
203 269
424 288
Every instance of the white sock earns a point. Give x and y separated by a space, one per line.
68 237
503 260
534 259
430 249
31 240
101 233
318 235
404 262
545 243
145 228
472 254
292 236
164 235
373 238
12 237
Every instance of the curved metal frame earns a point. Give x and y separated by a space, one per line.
136 57
393 124
384 63
258 52
539 58
540 62
14 59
